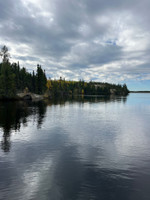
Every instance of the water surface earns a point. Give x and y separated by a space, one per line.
82 149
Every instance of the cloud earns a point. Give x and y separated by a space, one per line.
110 38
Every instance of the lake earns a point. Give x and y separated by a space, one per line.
91 148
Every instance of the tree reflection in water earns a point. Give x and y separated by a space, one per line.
13 114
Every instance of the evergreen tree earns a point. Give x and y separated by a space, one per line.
7 81
4 54
7 77
41 80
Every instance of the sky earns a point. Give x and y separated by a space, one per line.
93 40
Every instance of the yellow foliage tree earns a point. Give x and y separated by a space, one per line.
49 84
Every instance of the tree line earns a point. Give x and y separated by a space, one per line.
14 79
63 87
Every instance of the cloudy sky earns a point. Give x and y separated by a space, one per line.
98 40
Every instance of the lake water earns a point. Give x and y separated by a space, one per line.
82 149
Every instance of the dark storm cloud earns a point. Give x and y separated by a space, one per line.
75 35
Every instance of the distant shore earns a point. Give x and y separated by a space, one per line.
139 91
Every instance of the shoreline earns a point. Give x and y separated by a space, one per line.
139 91
37 97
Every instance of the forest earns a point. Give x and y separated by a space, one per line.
14 79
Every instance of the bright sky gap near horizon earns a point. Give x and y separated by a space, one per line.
106 41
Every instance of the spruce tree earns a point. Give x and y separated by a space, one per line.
7 77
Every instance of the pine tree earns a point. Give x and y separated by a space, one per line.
7 81
7 77
41 80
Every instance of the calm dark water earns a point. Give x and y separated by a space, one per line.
81 149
